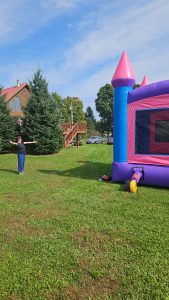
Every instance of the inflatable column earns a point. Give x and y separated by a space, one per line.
123 81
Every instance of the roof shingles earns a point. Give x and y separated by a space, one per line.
12 91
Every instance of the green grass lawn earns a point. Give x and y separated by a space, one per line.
66 235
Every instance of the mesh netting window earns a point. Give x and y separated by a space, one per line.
162 131
152 132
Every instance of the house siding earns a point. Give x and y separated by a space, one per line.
23 95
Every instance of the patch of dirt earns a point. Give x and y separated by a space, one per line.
22 226
89 234
14 296
49 213
105 196
8 236
93 289
23 219
91 239
93 245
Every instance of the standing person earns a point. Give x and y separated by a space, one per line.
21 153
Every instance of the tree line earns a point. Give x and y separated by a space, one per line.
44 112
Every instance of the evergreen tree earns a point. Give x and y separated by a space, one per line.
42 118
58 100
0 144
90 119
104 106
7 125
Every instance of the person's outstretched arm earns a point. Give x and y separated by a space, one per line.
13 143
34 142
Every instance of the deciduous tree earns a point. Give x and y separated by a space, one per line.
73 110
104 106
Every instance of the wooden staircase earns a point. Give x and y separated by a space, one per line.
71 131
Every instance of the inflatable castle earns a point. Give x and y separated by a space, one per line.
141 129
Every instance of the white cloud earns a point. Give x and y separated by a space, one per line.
22 71
59 4
87 89
20 18
135 28
140 28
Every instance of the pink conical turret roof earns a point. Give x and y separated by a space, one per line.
123 71
145 81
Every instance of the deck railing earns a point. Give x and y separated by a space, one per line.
71 131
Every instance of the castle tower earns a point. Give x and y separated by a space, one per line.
123 81
145 81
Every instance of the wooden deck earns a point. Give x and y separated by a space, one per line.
71 131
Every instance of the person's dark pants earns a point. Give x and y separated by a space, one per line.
21 162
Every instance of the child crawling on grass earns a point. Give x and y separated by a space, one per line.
21 153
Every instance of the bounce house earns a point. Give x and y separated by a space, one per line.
141 129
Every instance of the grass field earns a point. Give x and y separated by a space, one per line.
66 235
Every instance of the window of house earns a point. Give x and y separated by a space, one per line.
12 105
17 104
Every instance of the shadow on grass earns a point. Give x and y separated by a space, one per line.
85 170
9 171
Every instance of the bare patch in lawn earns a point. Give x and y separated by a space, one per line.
91 239
23 227
93 245
105 196
93 289
45 215
27 221
96 282
14 297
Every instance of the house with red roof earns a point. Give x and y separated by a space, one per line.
17 97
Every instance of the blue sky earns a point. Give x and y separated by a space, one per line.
77 43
